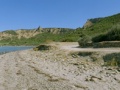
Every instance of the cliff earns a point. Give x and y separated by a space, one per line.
91 22
28 33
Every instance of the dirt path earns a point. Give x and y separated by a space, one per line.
75 47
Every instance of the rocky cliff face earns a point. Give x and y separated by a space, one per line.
53 30
91 22
5 35
24 33
17 34
88 24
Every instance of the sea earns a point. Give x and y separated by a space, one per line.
6 49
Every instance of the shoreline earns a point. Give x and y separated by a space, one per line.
7 49
56 69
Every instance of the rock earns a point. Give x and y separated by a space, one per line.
87 24
118 69
93 78
91 22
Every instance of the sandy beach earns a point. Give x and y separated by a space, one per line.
57 69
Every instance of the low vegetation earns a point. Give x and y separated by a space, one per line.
42 47
41 38
112 59
112 35
12 32
102 29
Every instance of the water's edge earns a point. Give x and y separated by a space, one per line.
7 49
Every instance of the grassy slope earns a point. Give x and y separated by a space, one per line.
101 26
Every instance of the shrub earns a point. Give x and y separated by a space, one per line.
12 32
67 40
107 44
85 53
112 59
112 35
99 38
41 47
84 41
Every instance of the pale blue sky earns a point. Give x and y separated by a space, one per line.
26 14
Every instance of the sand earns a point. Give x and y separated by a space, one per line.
56 69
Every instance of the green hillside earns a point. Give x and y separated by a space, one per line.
97 30
101 25
102 29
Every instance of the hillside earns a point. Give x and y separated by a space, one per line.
100 29
93 27
100 25
27 33
32 36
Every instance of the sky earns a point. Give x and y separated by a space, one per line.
29 14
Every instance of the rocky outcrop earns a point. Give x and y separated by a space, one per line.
5 36
87 24
53 30
91 22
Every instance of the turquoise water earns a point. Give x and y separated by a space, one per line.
5 49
